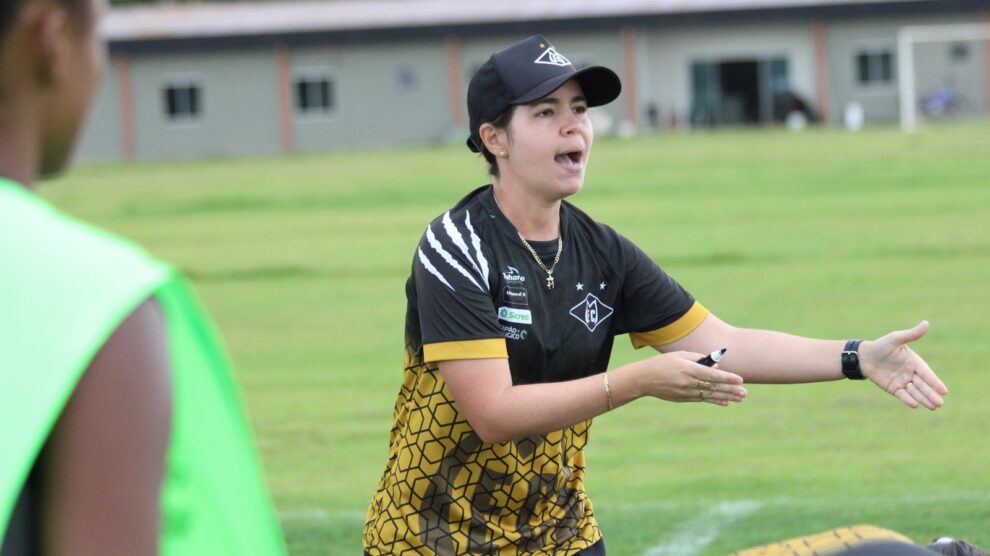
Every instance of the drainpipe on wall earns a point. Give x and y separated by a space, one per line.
125 92
821 68
452 63
985 20
284 72
627 37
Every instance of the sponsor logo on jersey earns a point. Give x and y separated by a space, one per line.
513 333
515 296
512 276
551 57
511 314
591 312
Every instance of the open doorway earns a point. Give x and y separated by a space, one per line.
740 103
738 91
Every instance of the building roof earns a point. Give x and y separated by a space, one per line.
163 22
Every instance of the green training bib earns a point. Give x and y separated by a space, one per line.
65 286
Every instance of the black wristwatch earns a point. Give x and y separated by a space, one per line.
850 360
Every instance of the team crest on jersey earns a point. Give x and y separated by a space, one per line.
591 312
551 57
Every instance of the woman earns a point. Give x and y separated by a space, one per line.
120 426
514 300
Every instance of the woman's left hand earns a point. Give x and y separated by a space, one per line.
893 366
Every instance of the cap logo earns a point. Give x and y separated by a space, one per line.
552 58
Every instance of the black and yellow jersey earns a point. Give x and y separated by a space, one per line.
476 292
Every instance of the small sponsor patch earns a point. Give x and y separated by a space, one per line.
512 276
515 296
513 333
511 314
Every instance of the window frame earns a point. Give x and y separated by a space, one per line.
315 74
191 82
874 54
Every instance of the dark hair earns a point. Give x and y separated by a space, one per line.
501 122
952 547
11 9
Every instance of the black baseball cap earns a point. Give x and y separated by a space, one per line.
526 71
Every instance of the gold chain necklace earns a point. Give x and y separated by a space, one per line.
539 261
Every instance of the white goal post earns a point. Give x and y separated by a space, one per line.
907 38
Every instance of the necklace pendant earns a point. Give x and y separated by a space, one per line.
549 282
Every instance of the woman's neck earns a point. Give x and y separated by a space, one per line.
18 159
535 218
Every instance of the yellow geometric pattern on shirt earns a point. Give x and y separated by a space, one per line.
445 492
828 542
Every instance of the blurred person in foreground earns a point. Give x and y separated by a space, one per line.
121 431
514 301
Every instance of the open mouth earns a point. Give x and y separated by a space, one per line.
570 160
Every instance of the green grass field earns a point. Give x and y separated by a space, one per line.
303 261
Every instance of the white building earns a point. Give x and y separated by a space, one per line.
200 80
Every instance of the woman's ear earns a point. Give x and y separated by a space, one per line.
49 34
494 139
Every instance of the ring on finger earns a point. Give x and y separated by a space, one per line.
704 385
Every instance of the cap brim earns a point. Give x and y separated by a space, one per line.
599 84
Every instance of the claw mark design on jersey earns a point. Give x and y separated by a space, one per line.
448 258
476 243
455 235
432 269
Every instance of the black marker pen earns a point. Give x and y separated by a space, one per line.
712 358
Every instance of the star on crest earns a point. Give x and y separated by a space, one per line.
580 286
602 286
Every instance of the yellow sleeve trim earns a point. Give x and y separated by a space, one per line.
493 348
673 331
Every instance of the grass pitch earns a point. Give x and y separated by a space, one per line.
830 234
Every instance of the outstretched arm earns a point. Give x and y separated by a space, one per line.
764 356
499 411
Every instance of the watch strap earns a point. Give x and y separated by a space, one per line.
850 360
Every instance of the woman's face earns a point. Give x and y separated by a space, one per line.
78 75
549 142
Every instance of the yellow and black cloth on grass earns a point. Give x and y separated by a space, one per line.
476 292
828 542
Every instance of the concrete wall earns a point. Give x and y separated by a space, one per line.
239 99
389 94
102 137
847 37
